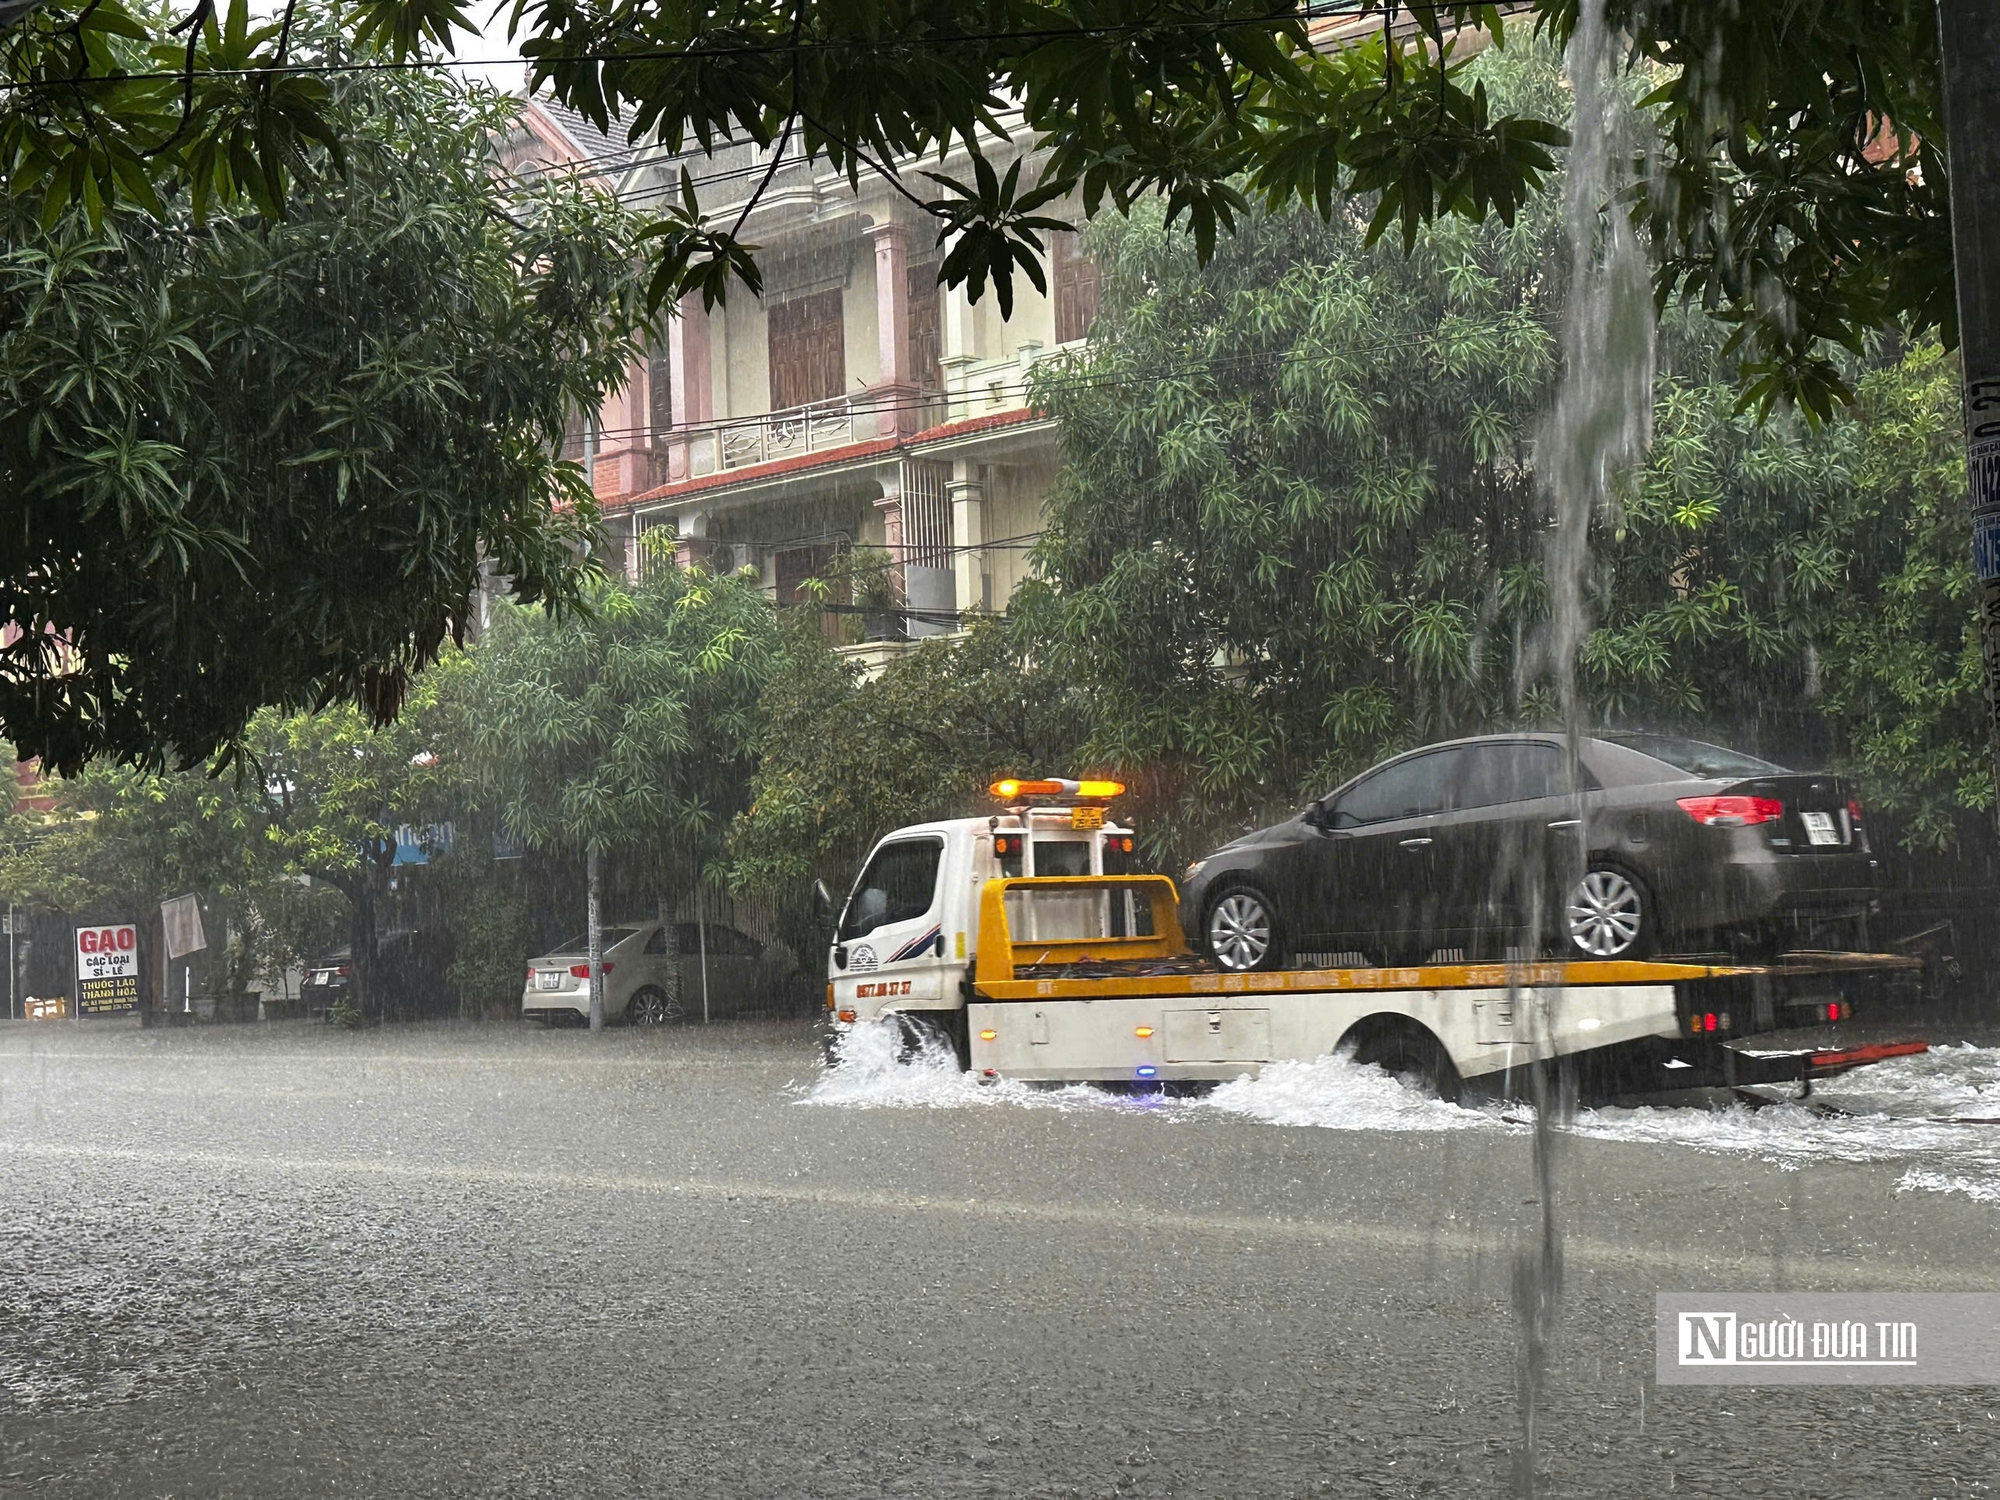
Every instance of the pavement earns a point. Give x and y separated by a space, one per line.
484 1261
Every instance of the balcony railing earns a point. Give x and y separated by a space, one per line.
817 427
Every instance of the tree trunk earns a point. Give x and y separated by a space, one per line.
595 882
361 947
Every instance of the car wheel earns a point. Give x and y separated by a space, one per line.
652 1006
1241 932
1607 916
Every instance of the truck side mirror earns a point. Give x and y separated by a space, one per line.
823 903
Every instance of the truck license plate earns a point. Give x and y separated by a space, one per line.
547 979
1819 828
1086 817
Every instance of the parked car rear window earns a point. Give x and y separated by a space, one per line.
898 885
1509 772
581 942
1411 788
1696 757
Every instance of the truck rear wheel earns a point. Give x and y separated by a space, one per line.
1411 1053
934 1030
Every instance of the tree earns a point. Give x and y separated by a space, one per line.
1801 191
1802 188
627 726
1298 527
841 761
119 842
260 461
1297 523
334 790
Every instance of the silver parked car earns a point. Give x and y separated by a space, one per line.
653 975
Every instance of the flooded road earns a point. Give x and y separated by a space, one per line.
475 1261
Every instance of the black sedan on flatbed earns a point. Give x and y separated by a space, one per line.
1499 846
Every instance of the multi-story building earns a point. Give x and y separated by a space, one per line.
856 404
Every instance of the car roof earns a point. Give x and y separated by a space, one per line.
1612 763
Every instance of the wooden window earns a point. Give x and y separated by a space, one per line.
1075 287
659 390
926 327
794 565
808 350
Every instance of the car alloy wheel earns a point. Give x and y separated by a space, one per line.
652 1007
1607 915
1239 931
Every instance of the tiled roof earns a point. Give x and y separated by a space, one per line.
607 154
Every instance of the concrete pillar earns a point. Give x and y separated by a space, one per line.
693 382
891 507
892 302
967 495
959 338
624 461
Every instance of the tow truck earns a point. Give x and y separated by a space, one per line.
1029 943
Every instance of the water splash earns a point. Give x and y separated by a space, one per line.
1337 1093
1899 1111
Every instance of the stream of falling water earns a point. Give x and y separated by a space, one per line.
1597 430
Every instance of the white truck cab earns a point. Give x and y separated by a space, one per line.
909 929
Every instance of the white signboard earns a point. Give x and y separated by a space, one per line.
107 969
182 919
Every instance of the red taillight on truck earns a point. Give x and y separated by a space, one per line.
1853 810
1732 812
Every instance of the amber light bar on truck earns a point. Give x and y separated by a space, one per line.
1010 788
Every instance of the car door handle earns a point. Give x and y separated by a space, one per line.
1414 843
1567 823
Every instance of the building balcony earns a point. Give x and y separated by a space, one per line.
817 427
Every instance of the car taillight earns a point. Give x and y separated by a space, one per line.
341 971
1853 810
1732 812
582 971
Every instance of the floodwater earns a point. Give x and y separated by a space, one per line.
475 1261
1935 1115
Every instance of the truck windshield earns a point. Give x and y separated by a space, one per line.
897 886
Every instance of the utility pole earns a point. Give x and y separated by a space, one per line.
1969 41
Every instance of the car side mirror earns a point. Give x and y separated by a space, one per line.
823 903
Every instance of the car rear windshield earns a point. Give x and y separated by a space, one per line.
581 942
1696 757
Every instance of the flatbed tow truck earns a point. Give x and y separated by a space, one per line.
1083 974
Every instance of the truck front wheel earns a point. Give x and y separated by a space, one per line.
934 1031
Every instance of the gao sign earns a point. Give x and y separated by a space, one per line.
107 969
